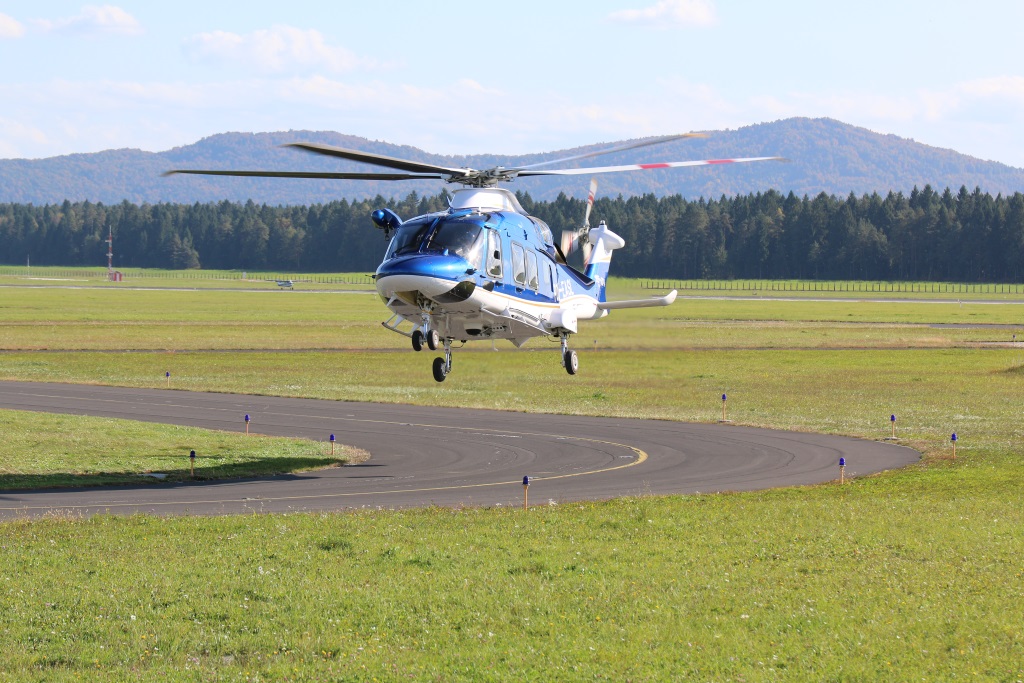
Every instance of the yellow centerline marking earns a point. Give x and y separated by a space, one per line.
641 456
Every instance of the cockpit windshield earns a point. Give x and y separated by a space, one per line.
463 238
408 238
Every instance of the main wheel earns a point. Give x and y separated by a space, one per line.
440 371
572 362
433 340
417 340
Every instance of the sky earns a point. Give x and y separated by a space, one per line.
460 77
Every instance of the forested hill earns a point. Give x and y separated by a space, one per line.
827 156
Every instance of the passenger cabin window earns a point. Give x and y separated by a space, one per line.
494 254
531 270
518 264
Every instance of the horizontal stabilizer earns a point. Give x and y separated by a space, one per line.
639 303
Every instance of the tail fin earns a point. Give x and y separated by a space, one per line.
604 242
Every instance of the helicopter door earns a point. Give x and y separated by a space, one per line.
549 281
493 255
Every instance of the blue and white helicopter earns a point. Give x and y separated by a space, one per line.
484 269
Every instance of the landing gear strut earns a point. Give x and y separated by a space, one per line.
570 361
442 366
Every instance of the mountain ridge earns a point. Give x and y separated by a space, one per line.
825 156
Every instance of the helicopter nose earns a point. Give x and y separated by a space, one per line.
430 274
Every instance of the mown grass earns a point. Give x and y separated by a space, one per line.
58 319
913 575
156 278
41 450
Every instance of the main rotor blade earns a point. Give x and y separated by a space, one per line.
647 167
620 148
380 159
310 174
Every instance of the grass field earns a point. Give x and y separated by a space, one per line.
914 575
41 450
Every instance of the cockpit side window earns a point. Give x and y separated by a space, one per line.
518 264
493 254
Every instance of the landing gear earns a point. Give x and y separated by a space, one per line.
430 337
433 340
570 361
440 369
442 366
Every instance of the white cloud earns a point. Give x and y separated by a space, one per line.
14 135
10 27
275 50
94 20
669 13
1008 87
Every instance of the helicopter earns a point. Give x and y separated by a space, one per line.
484 269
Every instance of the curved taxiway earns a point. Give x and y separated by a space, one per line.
442 456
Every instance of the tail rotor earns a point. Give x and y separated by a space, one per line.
576 239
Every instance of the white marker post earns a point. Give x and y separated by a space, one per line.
192 464
247 424
168 376
953 441
526 494
332 445
842 471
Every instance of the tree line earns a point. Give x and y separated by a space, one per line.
926 235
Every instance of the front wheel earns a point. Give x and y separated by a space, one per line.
440 369
572 362
417 340
433 340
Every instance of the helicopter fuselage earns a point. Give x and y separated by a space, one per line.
485 272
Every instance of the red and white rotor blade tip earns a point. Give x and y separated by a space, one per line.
650 167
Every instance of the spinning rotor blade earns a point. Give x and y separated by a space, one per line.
590 201
568 243
587 246
573 240
311 174
382 160
647 167
619 148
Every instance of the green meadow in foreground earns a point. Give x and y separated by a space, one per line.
909 575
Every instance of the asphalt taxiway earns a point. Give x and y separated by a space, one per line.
422 456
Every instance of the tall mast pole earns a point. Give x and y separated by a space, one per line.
110 253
